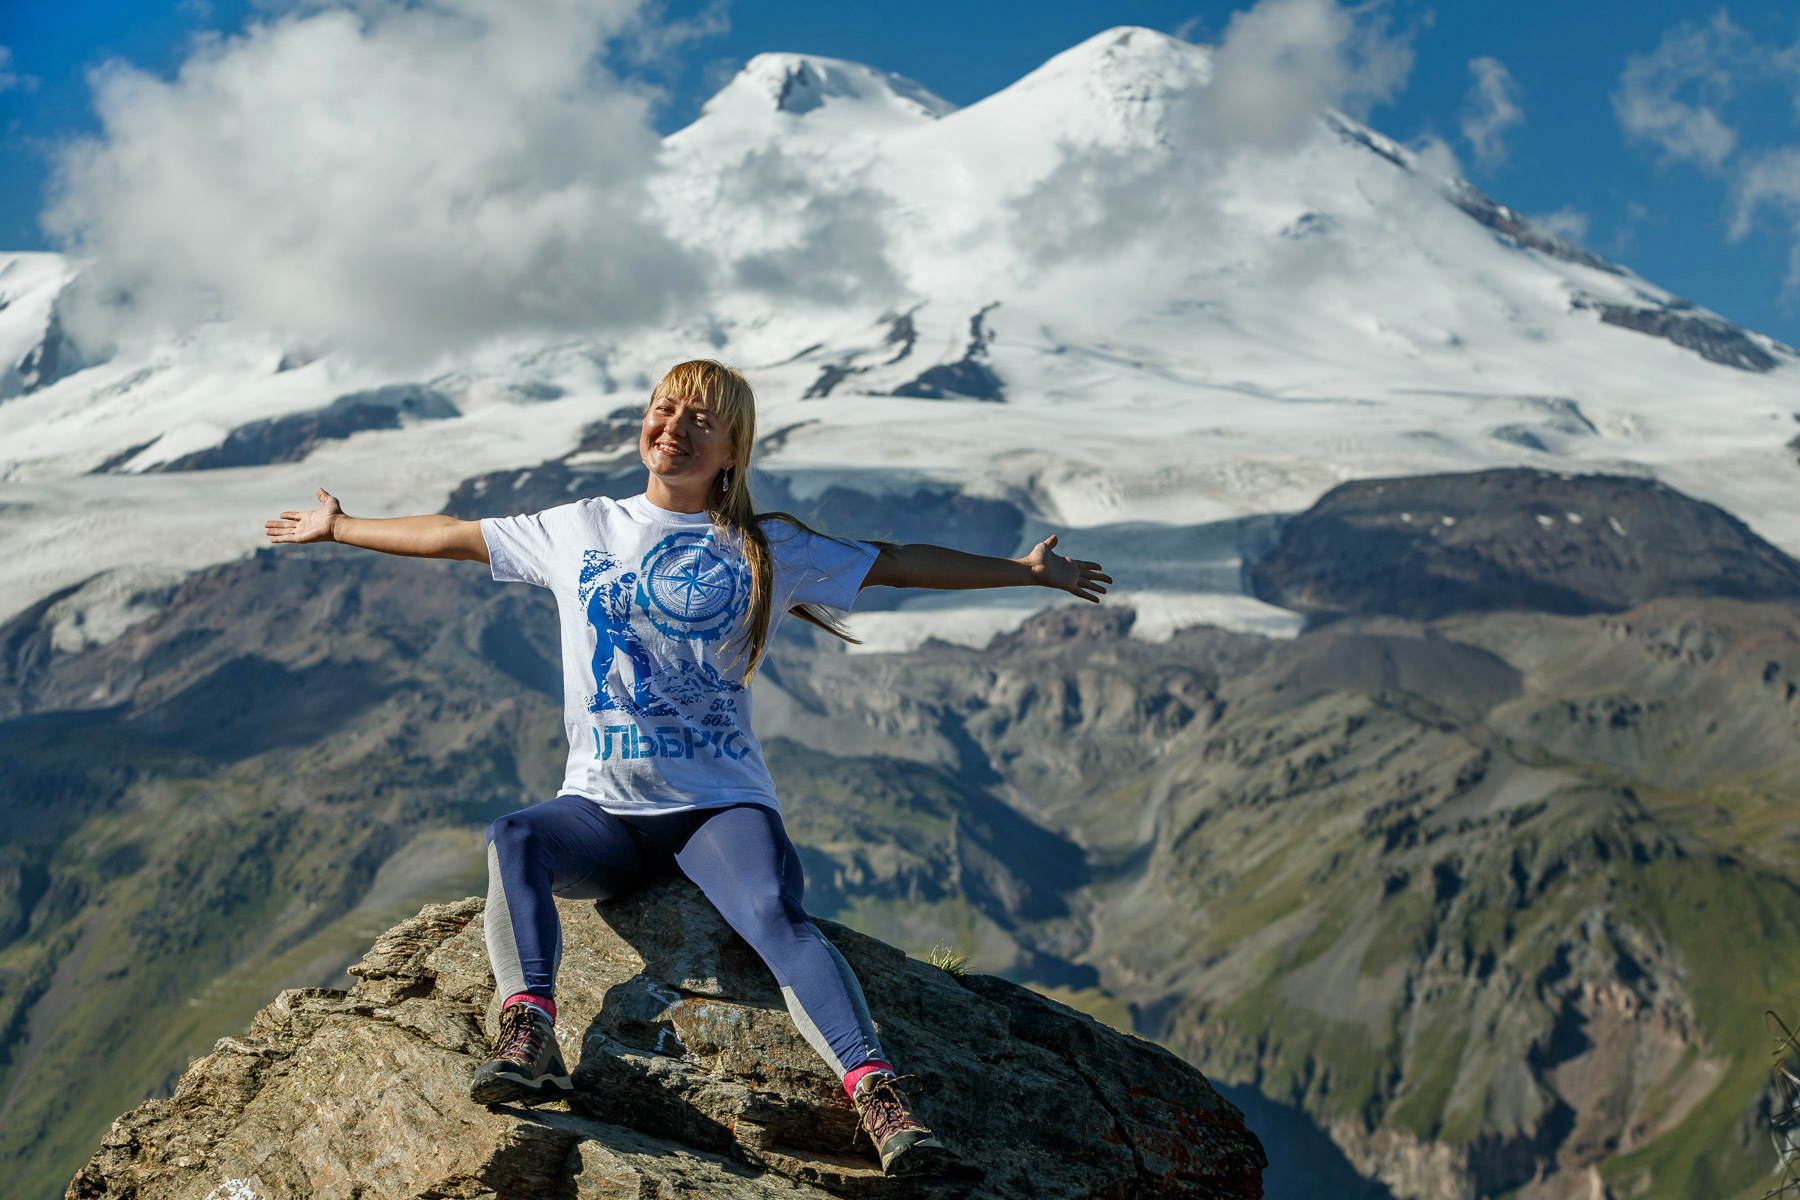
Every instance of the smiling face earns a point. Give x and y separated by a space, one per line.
685 445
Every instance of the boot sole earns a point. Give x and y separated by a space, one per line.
926 1158
514 1089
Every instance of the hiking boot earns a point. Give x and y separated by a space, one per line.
906 1147
526 1066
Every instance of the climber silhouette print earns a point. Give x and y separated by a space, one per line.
666 603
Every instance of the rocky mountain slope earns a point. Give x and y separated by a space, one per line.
1431 545
1492 902
689 1078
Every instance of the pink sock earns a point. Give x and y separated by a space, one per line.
543 1004
855 1075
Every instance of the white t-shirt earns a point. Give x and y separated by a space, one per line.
652 603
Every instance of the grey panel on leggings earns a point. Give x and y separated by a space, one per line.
502 946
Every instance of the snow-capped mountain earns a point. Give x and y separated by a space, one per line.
1082 294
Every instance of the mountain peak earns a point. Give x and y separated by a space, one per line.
1129 58
799 84
1113 89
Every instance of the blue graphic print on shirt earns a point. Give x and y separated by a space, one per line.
656 711
687 590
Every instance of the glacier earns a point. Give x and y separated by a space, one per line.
1081 295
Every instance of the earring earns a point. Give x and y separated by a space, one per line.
725 480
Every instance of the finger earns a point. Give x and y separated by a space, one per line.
1097 577
1049 543
291 516
323 495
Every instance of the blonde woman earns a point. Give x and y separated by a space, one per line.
667 601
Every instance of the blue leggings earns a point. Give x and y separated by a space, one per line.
740 857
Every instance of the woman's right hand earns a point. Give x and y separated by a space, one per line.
314 526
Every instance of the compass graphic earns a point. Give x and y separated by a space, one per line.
688 589
691 583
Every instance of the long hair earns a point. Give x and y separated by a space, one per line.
728 503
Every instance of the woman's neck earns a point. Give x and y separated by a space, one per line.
690 499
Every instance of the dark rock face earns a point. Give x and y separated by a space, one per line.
1433 545
292 438
901 333
49 360
690 1079
968 378
1519 229
1712 338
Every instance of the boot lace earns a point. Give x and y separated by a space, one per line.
884 1110
519 1038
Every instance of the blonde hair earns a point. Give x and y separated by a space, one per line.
728 503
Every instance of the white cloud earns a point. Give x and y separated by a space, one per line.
1673 98
656 41
1566 222
1669 97
401 177
1493 108
1191 30
832 242
9 78
1771 180
1282 62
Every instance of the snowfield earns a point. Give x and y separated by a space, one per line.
1077 294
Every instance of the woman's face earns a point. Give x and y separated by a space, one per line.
683 442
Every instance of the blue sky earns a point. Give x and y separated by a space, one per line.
1558 143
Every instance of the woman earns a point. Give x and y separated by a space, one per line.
667 601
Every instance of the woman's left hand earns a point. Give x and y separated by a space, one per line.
1072 575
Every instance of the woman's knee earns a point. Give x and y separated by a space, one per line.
512 836
776 912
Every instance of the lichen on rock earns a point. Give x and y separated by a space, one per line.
689 1079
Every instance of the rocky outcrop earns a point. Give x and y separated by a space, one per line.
1521 230
969 377
1433 545
1711 337
293 437
689 1079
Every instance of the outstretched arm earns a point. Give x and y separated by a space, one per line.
924 566
435 536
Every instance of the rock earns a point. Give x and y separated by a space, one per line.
1706 334
689 1079
293 437
1434 545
